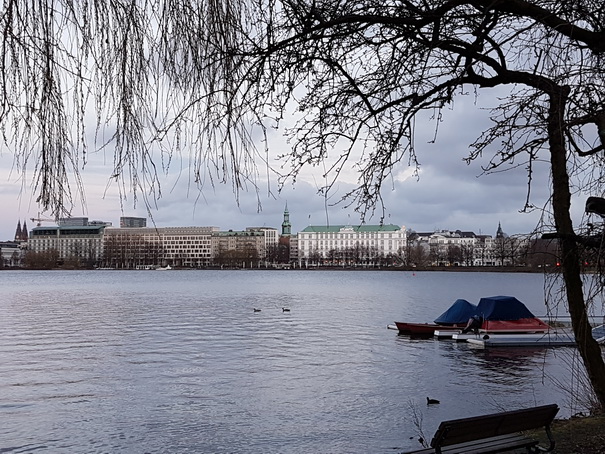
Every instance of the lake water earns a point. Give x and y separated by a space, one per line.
178 361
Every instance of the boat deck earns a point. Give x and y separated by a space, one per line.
550 339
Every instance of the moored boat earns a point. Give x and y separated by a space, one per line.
551 338
453 319
548 339
423 329
503 315
495 314
506 314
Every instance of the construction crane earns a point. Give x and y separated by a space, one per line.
41 220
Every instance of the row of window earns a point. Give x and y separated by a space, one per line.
350 242
189 255
338 236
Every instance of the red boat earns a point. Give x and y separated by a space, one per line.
423 329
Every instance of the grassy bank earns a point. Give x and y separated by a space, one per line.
578 435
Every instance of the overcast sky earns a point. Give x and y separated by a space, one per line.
449 195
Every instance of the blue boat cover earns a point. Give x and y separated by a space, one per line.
458 313
502 308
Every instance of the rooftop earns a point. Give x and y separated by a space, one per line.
353 228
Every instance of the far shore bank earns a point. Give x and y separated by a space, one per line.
453 269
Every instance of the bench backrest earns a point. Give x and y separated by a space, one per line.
478 427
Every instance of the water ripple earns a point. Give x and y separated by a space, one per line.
179 362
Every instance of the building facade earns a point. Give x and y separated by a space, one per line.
246 248
347 245
98 244
11 254
184 247
77 243
460 248
270 235
147 247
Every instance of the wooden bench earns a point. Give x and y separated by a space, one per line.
497 432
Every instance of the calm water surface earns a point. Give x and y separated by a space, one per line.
178 361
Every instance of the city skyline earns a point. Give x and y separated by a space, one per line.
448 193
31 223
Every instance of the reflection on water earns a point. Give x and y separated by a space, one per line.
179 361
504 365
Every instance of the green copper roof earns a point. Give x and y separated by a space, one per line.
354 228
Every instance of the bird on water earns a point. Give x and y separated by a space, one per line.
285 309
256 310
431 401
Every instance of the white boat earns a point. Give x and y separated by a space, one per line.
552 338
459 337
163 268
549 339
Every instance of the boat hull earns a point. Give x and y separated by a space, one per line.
550 339
422 329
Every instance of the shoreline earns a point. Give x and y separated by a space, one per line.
458 269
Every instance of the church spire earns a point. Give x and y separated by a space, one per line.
18 232
286 227
21 233
24 232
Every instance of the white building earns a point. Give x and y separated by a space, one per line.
350 245
459 248
11 253
70 242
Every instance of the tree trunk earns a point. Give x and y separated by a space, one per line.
570 259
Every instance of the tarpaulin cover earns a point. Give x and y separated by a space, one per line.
457 314
502 308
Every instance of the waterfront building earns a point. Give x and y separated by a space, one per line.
78 243
147 247
347 245
11 253
189 247
484 252
293 243
454 248
460 248
449 248
243 248
270 238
